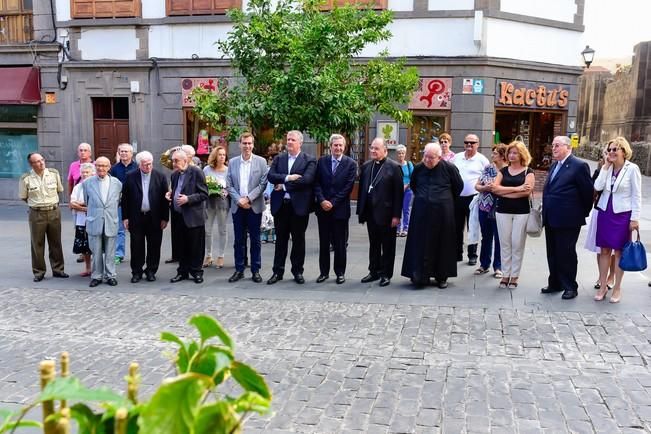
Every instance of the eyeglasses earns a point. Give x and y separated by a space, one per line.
613 149
556 145
469 143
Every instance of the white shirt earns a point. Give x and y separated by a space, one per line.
290 162
104 185
470 170
245 173
145 178
77 195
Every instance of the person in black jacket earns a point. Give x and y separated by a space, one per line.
380 207
145 213
335 176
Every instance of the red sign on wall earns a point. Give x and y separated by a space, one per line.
433 93
187 84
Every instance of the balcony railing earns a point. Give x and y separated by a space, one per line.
15 28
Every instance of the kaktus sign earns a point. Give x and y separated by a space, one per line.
531 95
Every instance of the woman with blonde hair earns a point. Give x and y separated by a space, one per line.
620 184
445 140
513 184
407 168
217 205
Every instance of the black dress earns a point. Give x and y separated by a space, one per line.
431 241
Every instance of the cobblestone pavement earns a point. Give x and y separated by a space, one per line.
345 367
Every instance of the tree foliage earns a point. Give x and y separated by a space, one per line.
300 69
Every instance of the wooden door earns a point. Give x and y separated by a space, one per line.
110 125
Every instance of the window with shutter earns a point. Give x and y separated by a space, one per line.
375 4
105 8
15 21
201 7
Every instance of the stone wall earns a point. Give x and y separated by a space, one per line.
641 154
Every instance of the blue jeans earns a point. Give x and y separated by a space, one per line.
406 211
489 238
119 242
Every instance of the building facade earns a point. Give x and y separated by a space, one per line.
121 71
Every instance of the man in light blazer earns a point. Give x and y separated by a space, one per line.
187 201
335 176
246 181
102 197
292 173
567 200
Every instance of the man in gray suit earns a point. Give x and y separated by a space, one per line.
246 182
102 197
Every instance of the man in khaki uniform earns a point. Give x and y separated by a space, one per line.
40 188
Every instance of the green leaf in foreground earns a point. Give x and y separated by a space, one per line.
217 418
71 389
209 327
249 379
173 407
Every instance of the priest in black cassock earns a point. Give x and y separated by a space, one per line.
430 249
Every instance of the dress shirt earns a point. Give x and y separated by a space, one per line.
145 178
558 167
290 162
177 192
245 173
40 191
104 184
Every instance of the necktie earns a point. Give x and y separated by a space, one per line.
335 163
556 169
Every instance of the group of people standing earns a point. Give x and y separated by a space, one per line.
431 203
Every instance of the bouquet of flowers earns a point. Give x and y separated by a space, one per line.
215 186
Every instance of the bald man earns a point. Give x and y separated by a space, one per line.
102 196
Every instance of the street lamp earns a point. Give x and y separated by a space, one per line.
588 56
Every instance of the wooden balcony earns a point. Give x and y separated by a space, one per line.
15 28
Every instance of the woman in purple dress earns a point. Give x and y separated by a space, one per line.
619 182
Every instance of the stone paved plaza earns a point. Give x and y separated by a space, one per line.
353 358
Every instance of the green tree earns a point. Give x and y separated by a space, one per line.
298 69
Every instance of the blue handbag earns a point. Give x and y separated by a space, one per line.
633 256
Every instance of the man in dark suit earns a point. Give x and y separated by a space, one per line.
145 213
293 174
380 207
567 200
188 196
335 176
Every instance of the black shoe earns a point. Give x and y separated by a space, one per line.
548 290
61 275
385 281
38 278
256 277
151 277
418 283
198 279
94 282
322 278
569 294
274 278
370 277
442 284
112 282
472 261
298 278
340 279
459 258
178 278
171 261
236 276
136 278
80 259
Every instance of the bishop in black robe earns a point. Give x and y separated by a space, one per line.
431 241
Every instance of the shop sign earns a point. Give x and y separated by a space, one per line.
388 130
433 93
531 95
188 84
473 86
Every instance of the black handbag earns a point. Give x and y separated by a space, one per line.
633 256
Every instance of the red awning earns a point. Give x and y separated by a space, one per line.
20 85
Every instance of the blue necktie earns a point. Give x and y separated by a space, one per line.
555 172
335 163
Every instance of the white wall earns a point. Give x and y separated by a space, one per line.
118 43
182 41
514 40
558 10
153 8
442 5
428 37
62 9
400 5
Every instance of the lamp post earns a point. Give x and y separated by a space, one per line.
588 56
